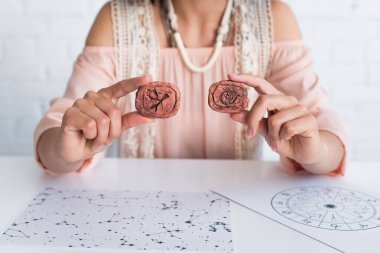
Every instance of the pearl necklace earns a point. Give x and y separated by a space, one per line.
222 35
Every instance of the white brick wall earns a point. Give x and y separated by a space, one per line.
39 40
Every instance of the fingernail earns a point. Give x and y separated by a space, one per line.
99 149
249 132
274 146
108 142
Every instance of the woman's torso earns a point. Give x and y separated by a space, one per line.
196 131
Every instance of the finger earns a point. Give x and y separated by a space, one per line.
133 119
75 120
242 118
305 126
102 121
267 103
261 85
111 110
276 121
124 87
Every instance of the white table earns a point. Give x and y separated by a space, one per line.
21 180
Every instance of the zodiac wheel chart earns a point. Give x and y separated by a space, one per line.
330 208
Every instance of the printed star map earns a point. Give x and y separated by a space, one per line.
177 221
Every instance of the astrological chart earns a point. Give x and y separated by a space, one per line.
132 220
328 208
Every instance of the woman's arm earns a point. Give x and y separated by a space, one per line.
286 28
89 126
99 35
85 121
292 128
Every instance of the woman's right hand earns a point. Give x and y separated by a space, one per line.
94 121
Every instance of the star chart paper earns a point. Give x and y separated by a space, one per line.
124 219
326 209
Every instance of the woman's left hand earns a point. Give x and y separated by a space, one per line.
290 129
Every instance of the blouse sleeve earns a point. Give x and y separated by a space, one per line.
292 73
95 68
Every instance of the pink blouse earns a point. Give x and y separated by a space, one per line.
196 129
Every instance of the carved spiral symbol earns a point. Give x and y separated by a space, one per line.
228 97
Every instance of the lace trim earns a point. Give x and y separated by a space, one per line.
137 52
253 47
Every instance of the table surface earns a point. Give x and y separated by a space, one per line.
21 180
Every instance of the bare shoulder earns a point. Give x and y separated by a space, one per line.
284 22
101 33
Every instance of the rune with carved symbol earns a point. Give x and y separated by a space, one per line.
158 100
228 97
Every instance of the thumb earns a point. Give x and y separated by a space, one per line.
241 117
133 119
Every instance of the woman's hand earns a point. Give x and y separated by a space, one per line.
94 121
290 129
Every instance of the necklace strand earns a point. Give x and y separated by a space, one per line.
222 35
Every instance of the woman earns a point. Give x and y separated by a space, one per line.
130 39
